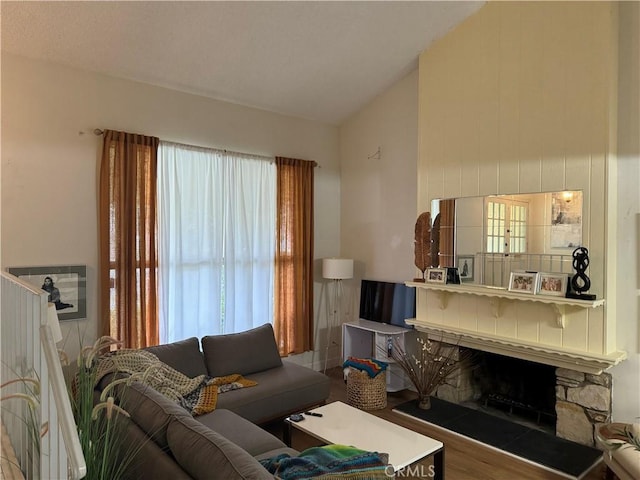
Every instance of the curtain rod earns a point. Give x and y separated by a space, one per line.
99 132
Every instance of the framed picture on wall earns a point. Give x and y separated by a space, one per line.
437 275
566 219
523 282
66 286
465 267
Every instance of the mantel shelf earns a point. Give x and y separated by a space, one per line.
560 305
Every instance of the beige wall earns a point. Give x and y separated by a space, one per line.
378 194
50 160
626 406
520 98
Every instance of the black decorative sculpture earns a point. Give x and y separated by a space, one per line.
580 282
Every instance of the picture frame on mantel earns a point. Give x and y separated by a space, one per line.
436 275
67 287
523 282
553 284
465 267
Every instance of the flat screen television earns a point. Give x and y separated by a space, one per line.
387 302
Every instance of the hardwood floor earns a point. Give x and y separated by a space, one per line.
464 459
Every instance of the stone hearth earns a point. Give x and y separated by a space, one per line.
582 402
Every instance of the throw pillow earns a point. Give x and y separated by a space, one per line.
246 352
184 356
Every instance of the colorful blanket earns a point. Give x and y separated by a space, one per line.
330 462
369 365
199 395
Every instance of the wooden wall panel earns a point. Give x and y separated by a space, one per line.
528 318
468 312
550 334
576 332
507 326
486 320
435 182
577 167
596 223
518 100
595 331
434 313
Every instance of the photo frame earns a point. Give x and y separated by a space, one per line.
566 219
465 267
453 277
67 287
523 282
436 275
554 284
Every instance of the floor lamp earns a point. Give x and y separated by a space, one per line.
335 269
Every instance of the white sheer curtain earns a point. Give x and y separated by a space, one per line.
216 230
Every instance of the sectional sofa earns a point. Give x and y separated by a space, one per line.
228 442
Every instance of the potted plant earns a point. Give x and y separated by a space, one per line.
100 422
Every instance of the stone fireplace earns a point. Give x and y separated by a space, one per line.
564 402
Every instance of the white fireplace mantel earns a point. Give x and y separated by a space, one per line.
581 362
499 296
455 314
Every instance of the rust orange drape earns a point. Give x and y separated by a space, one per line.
128 245
447 232
293 319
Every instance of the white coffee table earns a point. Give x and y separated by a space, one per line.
346 425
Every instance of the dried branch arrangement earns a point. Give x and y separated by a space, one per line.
431 366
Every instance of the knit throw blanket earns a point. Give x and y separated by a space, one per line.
198 395
371 366
330 462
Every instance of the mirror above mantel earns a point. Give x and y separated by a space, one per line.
489 237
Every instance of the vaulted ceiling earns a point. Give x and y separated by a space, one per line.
321 61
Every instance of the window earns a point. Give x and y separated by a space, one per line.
506 226
235 238
217 230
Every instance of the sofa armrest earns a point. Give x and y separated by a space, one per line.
205 454
149 461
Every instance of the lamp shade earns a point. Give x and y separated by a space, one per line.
337 268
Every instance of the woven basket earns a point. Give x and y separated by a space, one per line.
364 392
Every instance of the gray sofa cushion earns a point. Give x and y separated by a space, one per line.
243 433
184 356
280 391
149 461
205 454
150 410
246 352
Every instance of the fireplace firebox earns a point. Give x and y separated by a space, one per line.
567 403
524 390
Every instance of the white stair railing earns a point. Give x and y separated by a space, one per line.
27 350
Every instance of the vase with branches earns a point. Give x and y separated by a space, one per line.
430 365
